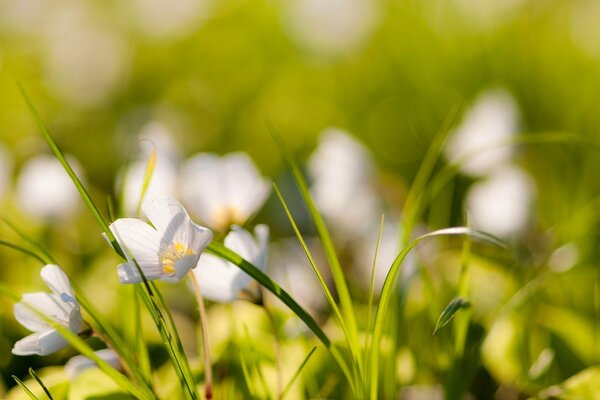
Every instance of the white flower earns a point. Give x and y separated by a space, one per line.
60 305
224 282
500 204
45 191
223 191
76 365
343 173
167 251
481 141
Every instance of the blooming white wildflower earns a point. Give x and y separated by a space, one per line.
167 251
480 142
342 172
332 27
224 282
45 191
223 191
500 204
60 305
76 365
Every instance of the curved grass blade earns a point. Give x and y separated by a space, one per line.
22 249
448 312
223 252
24 387
337 273
388 287
48 259
39 381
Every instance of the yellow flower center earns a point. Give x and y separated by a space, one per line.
169 254
226 216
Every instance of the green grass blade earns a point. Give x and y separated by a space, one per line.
388 289
452 308
150 165
336 269
22 249
61 158
223 252
25 388
296 374
48 259
39 381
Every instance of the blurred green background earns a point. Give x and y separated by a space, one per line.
393 73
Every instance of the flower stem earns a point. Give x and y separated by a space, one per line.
205 339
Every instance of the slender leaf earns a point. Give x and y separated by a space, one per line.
296 374
22 249
448 312
47 257
39 381
25 388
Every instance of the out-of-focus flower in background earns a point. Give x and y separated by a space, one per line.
86 63
156 142
6 166
25 16
332 27
158 19
60 306
584 26
76 365
45 191
501 203
342 175
224 282
223 191
480 143
167 251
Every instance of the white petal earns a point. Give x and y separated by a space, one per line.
245 189
28 346
202 186
182 266
56 280
168 217
139 241
50 342
242 242
218 280
128 273
198 238
29 319
262 236
76 365
48 304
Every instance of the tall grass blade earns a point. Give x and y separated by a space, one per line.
22 249
24 387
452 308
48 259
388 289
39 381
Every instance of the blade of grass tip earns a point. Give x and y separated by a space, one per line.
24 387
48 259
312 263
151 163
67 167
247 378
448 313
259 373
337 273
411 209
223 252
388 288
296 374
21 249
372 285
35 376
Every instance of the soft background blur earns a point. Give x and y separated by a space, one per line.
212 75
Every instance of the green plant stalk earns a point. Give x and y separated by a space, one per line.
223 252
41 383
296 374
388 288
24 387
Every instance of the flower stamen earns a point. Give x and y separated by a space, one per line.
169 254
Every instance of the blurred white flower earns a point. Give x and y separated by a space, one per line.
487 15
342 175
6 165
60 305
564 258
168 19
156 143
76 365
223 191
24 16
584 26
224 282
331 27
500 204
480 143
167 251
289 266
85 63
44 189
